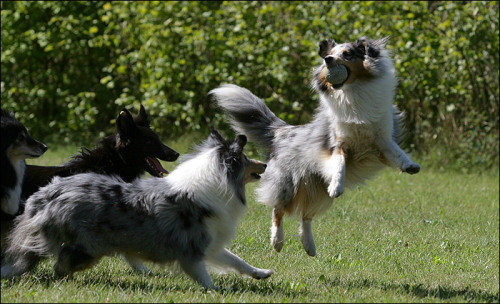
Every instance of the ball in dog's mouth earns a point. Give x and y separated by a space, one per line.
337 75
154 167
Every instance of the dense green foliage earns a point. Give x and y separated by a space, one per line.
68 67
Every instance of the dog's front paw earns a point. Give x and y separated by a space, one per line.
335 189
411 168
262 274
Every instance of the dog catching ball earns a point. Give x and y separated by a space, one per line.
336 74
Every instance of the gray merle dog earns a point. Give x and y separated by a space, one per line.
188 216
355 132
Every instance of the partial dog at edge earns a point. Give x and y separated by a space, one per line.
355 132
17 145
188 216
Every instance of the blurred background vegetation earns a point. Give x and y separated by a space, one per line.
67 68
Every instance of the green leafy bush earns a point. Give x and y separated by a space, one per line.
68 67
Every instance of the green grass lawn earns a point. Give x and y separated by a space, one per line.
430 237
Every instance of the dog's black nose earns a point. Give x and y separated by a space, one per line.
44 148
329 60
265 166
174 155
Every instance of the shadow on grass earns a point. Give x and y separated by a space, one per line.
48 279
419 290
181 283
236 284
286 289
166 282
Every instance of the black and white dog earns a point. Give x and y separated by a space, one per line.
188 216
17 145
354 133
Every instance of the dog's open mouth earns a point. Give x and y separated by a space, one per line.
34 155
253 170
255 175
154 167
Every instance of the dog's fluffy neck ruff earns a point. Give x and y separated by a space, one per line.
364 101
202 175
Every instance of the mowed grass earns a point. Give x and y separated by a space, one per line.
430 237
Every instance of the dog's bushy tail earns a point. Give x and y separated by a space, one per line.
248 114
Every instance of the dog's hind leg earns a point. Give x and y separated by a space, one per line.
277 229
135 263
198 272
21 263
306 236
227 258
73 258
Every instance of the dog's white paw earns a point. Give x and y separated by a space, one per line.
308 244
307 237
136 264
335 189
277 238
142 269
310 249
411 168
262 274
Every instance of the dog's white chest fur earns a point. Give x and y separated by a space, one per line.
10 203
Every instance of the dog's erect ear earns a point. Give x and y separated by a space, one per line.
325 47
381 43
5 113
142 119
241 140
371 47
238 144
216 135
125 124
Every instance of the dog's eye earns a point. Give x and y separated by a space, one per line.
347 54
20 137
234 158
